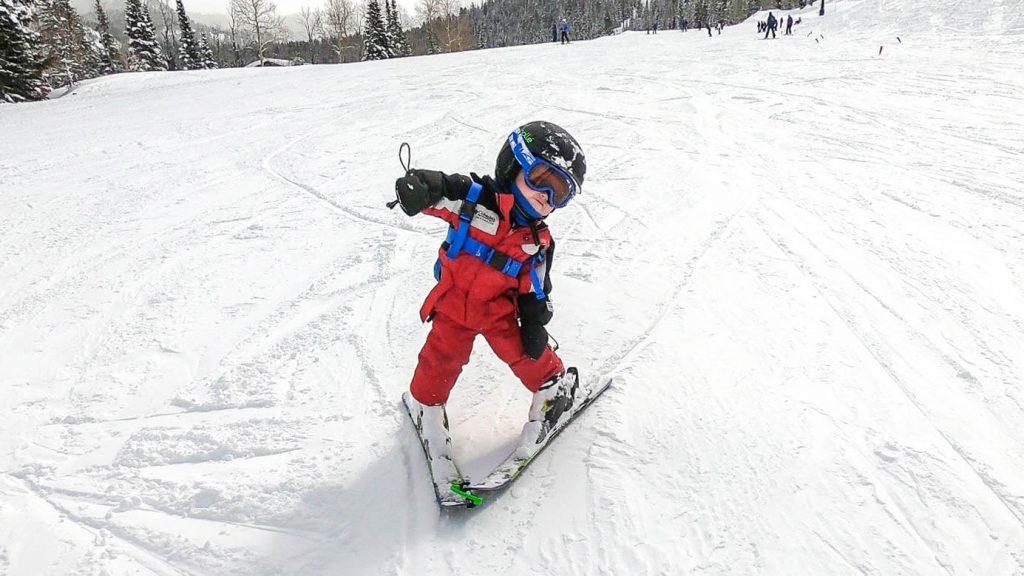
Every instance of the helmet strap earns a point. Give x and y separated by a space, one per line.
523 212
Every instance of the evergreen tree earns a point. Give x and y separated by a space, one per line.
188 51
70 54
399 44
389 29
209 62
21 63
432 47
110 56
375 37
143 50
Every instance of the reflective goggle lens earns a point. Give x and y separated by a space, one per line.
546 178
543 176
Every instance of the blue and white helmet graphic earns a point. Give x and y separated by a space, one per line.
548 141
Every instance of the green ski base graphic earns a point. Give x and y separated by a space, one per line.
472 500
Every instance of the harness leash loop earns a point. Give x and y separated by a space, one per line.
407 161
406 165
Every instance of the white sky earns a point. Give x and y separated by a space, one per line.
283 6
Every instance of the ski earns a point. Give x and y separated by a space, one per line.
528 448
444 473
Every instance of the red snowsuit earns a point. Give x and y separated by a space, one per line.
473 298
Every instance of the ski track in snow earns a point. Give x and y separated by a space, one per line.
800 260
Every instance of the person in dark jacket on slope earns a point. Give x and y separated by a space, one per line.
772 25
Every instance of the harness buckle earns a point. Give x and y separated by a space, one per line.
467 211
500 261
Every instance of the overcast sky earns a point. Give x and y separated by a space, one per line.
283 6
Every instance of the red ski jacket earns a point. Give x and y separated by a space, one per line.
469 290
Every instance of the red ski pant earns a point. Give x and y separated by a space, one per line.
449 345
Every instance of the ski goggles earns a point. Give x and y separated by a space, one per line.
543 176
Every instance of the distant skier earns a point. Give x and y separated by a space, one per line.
493 271
789 25
772 25
683 24
721 26
655 27
708 26
565 31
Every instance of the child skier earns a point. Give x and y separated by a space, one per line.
493 272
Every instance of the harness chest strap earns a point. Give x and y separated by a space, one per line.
459 241
466 213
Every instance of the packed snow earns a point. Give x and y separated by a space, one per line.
801 258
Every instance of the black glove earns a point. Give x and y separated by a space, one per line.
535 340
533 315
534 311
419 189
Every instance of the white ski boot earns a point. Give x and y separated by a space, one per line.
432 424
549 404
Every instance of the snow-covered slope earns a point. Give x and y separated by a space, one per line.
803 261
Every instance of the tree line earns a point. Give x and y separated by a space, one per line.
46 44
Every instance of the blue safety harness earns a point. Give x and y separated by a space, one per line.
459 241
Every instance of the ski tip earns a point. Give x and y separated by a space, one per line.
602 384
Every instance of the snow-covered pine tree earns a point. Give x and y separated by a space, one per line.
110 56
143 50
209 62
148 23
375 34
432 47
188 50
396 37
69 53
399 43
388 28
21 61
56 43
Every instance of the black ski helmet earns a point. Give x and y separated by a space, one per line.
545 140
